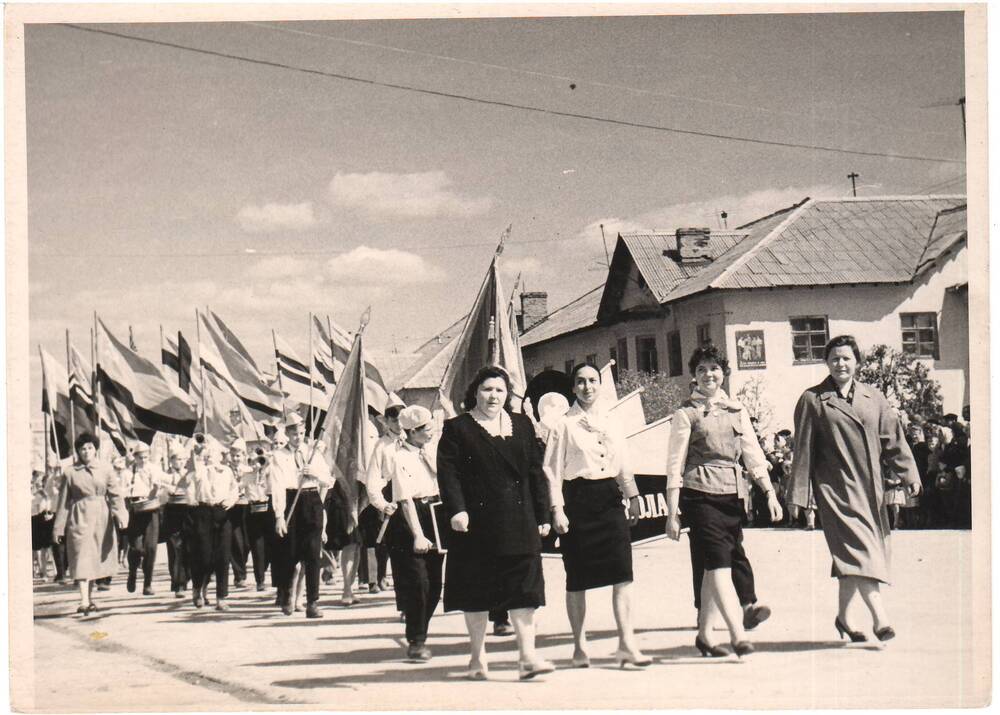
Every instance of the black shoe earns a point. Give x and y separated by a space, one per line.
261 587
709 651
503 629
843 630
418 653
103 587
742 648
312 610
885 634
754 616
130 584
148 591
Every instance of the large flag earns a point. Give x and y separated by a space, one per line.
295 376
486 339
330 357
56 404
345 431
138 393
176 354
81 395
226 416
221 353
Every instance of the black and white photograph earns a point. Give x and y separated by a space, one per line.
497 357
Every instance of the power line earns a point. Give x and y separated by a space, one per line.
942 184
576 80
510 105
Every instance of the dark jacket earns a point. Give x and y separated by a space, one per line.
500 483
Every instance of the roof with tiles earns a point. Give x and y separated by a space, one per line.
580 313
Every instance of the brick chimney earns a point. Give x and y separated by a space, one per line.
693 244
534 308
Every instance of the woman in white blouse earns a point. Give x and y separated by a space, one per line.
709 435
586 462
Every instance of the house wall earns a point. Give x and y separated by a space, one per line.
869 313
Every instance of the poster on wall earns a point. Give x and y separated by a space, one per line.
750 350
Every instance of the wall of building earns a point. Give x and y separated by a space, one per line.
870 313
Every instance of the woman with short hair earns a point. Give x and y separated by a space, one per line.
845 433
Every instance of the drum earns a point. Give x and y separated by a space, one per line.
258 507
177 499
145 504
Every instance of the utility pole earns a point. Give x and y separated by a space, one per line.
607 257
852 176
725 224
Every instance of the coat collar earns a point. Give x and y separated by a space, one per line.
501 447
862 393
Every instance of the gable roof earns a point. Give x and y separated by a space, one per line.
950 227
575 315
428 363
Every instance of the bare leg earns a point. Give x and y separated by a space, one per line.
872 596
298 580
708 614
524 626
728 602
576 609
621 601
475 623
349 570
84 586
848 591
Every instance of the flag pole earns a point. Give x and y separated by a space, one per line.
69 378
312 417
45 415
201 371
329 338
277 369
95 358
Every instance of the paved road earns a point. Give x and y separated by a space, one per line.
158 653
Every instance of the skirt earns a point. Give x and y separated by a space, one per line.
716 523
597 549
41 532
475 581
339 531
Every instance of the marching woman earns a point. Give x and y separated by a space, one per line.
87 502
496 496
845 432
215 491
709 435
177 515
41 523
586 462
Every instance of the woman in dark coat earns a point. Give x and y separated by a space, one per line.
495 493
845 432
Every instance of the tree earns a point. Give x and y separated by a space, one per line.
757 406
904 380
661 395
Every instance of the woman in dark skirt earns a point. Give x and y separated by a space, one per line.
586 462
708 437
495 494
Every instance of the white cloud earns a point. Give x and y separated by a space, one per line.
422 195
276 217
275 267
372 266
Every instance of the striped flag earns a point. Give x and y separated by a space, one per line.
345 431
81 395
176 354
222 354
138 393
56 403
295 375
330 357
486 339
226 417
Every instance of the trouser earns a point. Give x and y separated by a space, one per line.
238 557
175 520
260 536
210 548
381 562
742 575
143 536
59 558
416 577
301 544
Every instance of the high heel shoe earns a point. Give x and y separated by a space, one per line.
527 671
742 648
843 630
624 657
709 651
479 672
580 661
82 610
885 634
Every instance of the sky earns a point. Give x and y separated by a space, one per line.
161 180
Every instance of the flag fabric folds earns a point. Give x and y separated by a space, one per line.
296 374
138 393
85 411
330 357
176 354
345 431
56 404
222 354
486 339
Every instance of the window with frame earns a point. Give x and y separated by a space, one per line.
675 358
920 335
592 359
646 357
623 353
568 366
704 334
810 334
613 352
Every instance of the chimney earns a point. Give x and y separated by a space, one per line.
693 244
534 308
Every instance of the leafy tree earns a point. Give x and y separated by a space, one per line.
904 380
757 406
661 395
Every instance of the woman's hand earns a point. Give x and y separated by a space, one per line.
460 522
634 510
774 506
544 529
674 527
421 544
560 522
280 527
389 509
915 488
